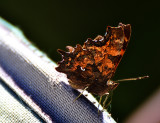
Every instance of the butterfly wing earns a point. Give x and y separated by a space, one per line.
94 63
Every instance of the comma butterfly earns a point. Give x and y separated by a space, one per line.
91 66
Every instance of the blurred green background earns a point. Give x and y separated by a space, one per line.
54 24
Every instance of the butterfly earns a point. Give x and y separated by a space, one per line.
91 66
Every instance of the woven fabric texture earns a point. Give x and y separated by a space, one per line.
32 76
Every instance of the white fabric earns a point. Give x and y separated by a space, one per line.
31 75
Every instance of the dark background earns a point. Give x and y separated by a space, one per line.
53 24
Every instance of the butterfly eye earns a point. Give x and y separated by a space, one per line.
109 82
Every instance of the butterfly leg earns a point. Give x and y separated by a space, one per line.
109 97
99 103
104 102
80 93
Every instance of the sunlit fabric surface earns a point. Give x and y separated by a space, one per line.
40 93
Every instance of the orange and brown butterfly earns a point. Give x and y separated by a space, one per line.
91 66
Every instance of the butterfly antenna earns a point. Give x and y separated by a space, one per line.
80 94
130 79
